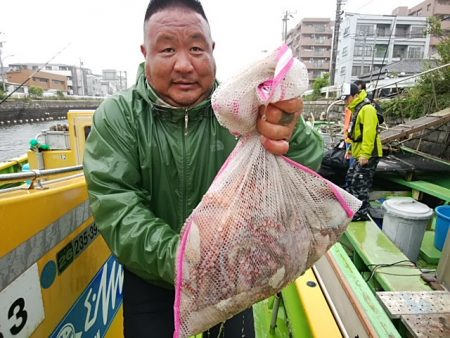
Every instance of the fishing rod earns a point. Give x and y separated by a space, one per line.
34 73
389 84
408 77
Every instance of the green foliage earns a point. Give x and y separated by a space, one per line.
432 91
35 92
318 84
2 93
60 95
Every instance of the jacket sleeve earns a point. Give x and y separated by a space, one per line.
369 121
144 243
306 146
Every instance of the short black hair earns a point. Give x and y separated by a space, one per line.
361 84
158 5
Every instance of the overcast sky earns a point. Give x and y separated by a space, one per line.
107 33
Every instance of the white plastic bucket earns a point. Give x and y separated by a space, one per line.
405 221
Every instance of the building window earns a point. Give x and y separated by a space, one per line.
380 51
362 50
428 7
383 30
344 51
356 70
401 31
320 28
399 51
343 71
417 32
415 52
364 30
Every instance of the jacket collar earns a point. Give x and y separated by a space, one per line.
360 98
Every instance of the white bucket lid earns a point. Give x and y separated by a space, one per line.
407 207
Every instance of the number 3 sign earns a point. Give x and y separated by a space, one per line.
21 307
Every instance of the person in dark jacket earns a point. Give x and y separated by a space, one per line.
366 148
153 151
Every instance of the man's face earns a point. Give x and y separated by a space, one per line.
178 52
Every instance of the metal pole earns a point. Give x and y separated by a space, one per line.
335 41
1 67
285 19
363 54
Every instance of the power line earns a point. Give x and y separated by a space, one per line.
34 73
337 23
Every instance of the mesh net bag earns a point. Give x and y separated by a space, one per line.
264 220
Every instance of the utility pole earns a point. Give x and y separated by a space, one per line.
286 16
337 23
82 77
1 67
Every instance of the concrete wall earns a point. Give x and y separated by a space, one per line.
14 112
436 142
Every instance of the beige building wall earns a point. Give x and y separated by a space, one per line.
46 81
438 8
311 41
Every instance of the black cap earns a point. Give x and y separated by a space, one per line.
349 90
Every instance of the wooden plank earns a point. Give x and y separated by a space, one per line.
426 187
389 265
357 308
403 131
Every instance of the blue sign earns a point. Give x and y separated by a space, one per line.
95 309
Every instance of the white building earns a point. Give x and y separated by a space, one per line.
367 42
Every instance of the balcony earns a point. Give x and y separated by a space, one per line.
316 30
314 54
315 42
311 65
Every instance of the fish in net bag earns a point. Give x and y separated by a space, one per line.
264 220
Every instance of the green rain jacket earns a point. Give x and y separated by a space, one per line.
366 125
147 167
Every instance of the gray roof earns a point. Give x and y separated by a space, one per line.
410 66
404 67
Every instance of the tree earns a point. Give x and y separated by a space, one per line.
35 92
319 83
432 91
60 95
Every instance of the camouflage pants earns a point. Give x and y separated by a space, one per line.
360 180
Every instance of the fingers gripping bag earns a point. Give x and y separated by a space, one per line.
264 220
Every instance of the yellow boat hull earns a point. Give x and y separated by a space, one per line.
58 278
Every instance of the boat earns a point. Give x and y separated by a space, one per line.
57 275
59 279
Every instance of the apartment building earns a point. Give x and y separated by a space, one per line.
437 8
113 80
311 41
46 81
368 42
79 80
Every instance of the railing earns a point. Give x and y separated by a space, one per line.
34 175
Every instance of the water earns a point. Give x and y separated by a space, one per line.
14 139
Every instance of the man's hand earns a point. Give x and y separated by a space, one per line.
276 124
363 161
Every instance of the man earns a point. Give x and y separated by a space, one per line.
366 147
153 151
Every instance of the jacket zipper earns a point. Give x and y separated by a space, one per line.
186 120
184 199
